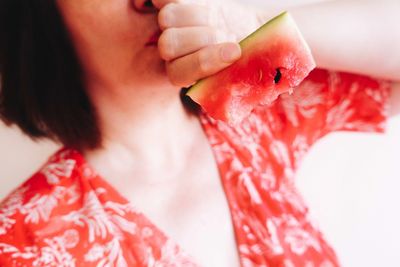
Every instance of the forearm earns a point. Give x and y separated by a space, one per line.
355 36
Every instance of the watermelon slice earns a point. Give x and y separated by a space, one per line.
275 59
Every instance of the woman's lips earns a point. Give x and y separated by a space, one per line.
154 38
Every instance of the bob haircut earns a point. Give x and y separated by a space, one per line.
41 85
42 89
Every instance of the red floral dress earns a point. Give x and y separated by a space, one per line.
67 215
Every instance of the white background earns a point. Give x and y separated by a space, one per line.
351 182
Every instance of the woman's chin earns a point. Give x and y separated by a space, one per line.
152 69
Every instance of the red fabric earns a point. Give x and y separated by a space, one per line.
67 215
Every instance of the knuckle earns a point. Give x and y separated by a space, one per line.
165 16
166 44
163 19
216 36
202 62
212 35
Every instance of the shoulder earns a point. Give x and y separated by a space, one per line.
30 212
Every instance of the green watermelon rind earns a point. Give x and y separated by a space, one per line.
276 45
266 27
249 40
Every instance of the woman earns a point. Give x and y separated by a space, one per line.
143 180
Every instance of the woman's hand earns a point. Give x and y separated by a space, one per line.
200 37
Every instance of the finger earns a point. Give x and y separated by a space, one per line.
207 61
184 15
177 42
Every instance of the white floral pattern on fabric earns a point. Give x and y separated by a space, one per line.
54 171
53 252
66 215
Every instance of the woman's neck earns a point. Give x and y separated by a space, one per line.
145 129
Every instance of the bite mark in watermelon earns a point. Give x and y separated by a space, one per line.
275 59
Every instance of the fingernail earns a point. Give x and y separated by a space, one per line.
230 52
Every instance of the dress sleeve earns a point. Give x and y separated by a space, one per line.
328 101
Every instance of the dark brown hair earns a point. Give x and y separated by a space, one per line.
42 90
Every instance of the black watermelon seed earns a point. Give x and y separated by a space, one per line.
278 75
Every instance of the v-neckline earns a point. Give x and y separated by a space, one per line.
203 119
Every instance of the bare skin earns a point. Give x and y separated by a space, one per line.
153 151
152 148
354 36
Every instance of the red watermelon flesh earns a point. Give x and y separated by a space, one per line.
275 59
